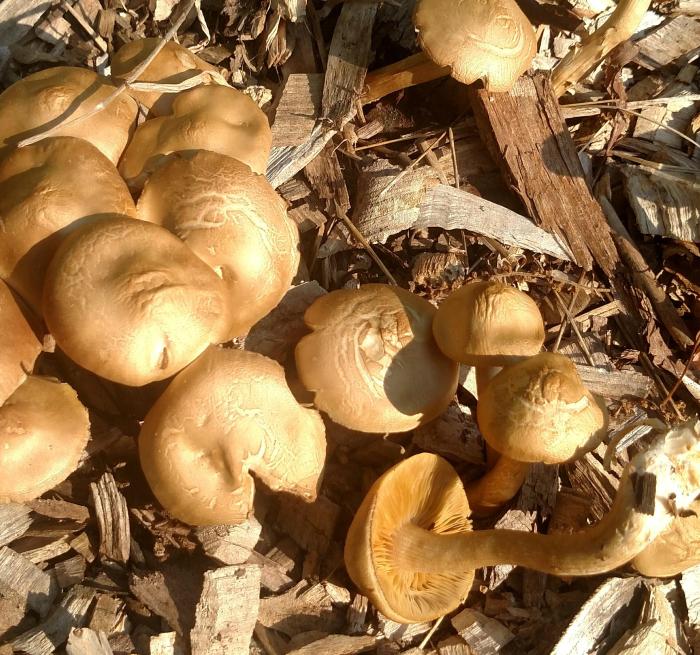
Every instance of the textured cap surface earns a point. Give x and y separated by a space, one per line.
37 101
129 301
226 415
45 189
372 361
489 40
234 221
215 118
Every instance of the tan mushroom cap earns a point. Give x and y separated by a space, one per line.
45 190
213 117
539 411
423 490
39 100
234 221
129 301
489 40
371 359
43 431
19 346
228 414
487 324
172 65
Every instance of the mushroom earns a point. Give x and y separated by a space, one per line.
234 221
42 99
226 415
129 301
371 359
174 64
45 190
411 551
213 117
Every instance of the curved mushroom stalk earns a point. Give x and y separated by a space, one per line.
497 486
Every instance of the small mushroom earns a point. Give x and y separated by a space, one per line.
213 117
411 551
129 301
227 415
38 101
234 221
371 359
45 190
174 64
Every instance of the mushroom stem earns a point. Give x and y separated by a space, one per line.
596 46
497 486
413 70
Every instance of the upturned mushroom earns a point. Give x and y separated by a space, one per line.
40 100
371 359
213 117
227 415
234 221
174 64
46 189
410 548
153 306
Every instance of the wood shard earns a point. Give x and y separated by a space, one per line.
14 522
338 645
60 509
227 610
484 635
453 645
107 614
70 571
34 587
83 641
615 384
357 614
298 109
112 518
230 544
671 40
168 643
690 583
311 525
17 17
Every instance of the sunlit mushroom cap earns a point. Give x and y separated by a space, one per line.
129 301
487 324
43 431
230 413
39 100
371 359
233 220
213 117
489 40
174 64
19 347
539 411
423 490
45 190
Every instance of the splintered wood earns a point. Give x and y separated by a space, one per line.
15 519
112 518
482 634
35 588
298 109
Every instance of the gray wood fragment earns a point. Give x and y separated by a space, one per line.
14 522
615 384
671 40
484 635
298 110
83 641
112 518
338 645
36 588
17 17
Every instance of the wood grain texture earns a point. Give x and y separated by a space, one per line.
17 17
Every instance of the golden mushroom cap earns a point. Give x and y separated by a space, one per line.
19 346
45 190
43 431
172 65
539 411
371 359
129 301
39 100
234 221
489 40
423 490
226 415
487 324
213 117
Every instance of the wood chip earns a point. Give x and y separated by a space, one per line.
83 641
690 583
311 525
671 40
589 476
17 17
451 646
298 110
14 522
615 384
70 571
326 178
357 614
168 643
59 509
227 611
403 633
338 645
42 549
484 635
107 614
35 588
82 544
230 544
112 518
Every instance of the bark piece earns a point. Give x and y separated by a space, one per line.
326 178
17 17
230 544
112 518
14 522
59 509
338 645
526 134
70 572
227 611
298 109
669 41
484 635
83 641
589 476
34 587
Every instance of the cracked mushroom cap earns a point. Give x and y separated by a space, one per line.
43 431
489 40
172 65
423 490
227 415
129 301
213 117
45 190
539 411
234 221
371 359
19 346
487 324
37 101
